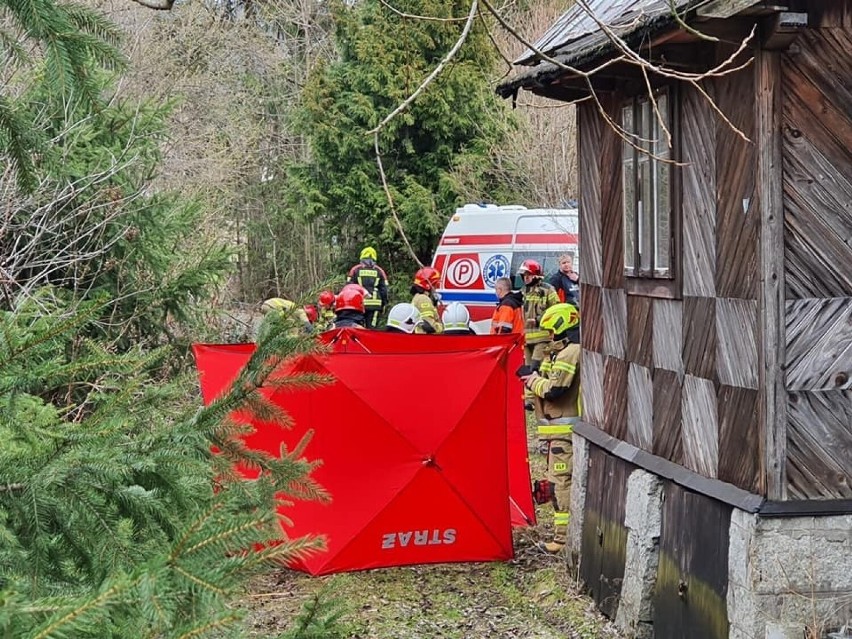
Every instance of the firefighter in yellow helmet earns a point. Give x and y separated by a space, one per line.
370 276
425 300
281 313
556 391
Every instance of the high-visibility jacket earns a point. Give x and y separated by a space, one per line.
371 276
538 297
557 389
428 313
325 321
509 315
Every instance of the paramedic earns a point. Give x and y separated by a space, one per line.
372 278
509 315
403 318
349 307
279 313
425 299
557 407
566 280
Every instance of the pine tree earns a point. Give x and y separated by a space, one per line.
116 520
71 43
383 59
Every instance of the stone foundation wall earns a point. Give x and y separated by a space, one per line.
789 577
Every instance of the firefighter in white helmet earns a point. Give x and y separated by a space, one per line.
403 318
456 320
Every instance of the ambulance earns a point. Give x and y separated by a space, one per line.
484 242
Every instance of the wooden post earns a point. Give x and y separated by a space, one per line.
771 301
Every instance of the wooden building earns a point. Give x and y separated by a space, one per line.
716 275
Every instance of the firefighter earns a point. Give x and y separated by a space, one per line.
279 312
325 311
509 315
349 307
556 388
372 278
456 320
425 300
538 297
403 318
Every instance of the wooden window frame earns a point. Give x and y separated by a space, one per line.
648 283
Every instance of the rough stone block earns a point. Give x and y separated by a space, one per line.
579 481
643 518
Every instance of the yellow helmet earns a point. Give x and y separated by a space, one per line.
368 252
560 318
277 304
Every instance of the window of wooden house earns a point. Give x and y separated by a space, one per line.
647 187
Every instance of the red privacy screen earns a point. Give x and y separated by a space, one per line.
422 440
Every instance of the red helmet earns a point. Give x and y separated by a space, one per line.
427 278
530 267
351 297
326 299
311 312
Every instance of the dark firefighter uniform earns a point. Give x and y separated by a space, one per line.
373 279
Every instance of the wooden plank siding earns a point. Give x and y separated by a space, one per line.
819 445
592 318
736 344
667 342
766 273
604 537
690 596
737 222
667 406
640 396
816 146
699 193
589 126
700 426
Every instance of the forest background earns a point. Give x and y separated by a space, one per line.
162 173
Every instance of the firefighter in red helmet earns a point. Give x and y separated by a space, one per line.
325 311
349 307
538 297
425 299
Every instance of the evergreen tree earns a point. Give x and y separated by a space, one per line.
66 42
384 57
116 520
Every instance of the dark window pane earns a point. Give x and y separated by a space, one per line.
628 181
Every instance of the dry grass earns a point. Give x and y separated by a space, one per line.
533 596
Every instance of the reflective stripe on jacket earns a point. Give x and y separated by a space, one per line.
428 312
374 281
538 297
509 315
557 390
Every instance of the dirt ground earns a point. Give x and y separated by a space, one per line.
533 596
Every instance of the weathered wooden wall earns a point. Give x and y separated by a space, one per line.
604 538
678 377
690 597
817 197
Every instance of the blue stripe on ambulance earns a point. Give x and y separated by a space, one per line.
469 297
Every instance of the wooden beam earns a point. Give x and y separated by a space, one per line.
780 29
771 313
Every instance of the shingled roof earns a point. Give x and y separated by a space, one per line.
576 38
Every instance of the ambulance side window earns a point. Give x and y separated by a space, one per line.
549 261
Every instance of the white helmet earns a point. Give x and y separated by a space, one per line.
404 317
456 317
